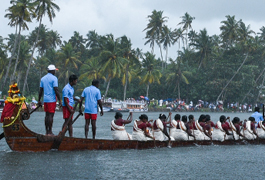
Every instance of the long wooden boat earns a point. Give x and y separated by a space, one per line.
21 138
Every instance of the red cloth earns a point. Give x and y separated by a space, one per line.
66 112
50 107
91 116
237 127
7 111
212 124
119 122
142 126
225 127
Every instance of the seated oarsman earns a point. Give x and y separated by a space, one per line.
180 129
140 132
191 127
200 130
221 129
118 127
235 126
208 128
208 117
261 129
160 128
250 129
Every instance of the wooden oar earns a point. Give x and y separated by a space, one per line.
58 139
35 109
2 135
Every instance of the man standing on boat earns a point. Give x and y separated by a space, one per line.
257 115
92 98
68 102
49 85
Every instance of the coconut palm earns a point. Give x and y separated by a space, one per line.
203 44
132 61
150 73
42 7
186 22
167 40
177 75
178 37
229 31
69 62
20 13
111 60
154 30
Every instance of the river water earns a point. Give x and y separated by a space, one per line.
197 162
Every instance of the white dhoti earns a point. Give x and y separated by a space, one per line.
178 134
138 134
233 132
261 130
199 133
248 133
157 133
119 132
218 134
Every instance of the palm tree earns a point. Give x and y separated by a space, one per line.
43 7
154 30
69 62
186 22
229 31
167 39
150 73
203 44
132 61
3 56
178 37
19 14
176 74
112 62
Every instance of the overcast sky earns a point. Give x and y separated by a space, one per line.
129 17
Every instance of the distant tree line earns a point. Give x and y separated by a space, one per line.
228 67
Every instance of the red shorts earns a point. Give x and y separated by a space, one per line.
91 116
50 107
66 112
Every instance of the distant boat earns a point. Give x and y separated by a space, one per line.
119 110
137 106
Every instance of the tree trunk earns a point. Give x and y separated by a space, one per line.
232 78
147 89
30 60
161 55
255 82
9 63
15 68
126 81
178 90
107 89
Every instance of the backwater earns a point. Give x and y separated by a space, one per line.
197 162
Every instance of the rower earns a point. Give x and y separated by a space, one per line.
221 129
140 132
118 127
249 129
198 130
160 128
180 130
235 127
261 129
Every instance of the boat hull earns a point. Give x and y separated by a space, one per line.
20 138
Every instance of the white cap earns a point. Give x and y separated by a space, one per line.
51 67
